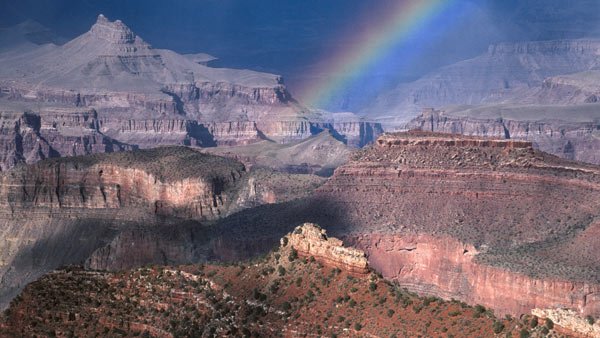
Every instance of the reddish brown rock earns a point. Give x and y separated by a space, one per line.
569 132
122 210
486 221
311 241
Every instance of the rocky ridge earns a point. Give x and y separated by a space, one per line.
143 97
572 136
123 210
309 240
283 293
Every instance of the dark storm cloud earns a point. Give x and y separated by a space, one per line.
288 37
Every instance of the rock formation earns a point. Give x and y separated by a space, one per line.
486 221
572 136
143 97
571 320
122 210
309 240
29 137
506 73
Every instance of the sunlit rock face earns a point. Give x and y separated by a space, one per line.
489 221
309 240
141 97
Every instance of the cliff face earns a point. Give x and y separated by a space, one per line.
485 221
574 139
127 209
29 137
142 97
524 72
63 211
444 267
112 187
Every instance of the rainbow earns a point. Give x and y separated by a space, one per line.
402 20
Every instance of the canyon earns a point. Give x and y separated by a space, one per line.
513 228
109 90
126 209
486 221
573 136
298 288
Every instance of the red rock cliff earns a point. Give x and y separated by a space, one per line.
486 221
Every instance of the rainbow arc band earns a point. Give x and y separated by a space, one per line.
400 22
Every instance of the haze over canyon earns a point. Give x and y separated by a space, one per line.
426 168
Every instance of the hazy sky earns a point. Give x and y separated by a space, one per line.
290 37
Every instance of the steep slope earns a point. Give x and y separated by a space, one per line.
123 210
506 73
291 292
481 220
571 132
488 221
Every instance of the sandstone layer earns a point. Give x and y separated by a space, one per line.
309 240
484 221
573 135
122 210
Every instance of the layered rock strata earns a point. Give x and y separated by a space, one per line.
487 221
309 240
142 97
30 137
122 210
573 135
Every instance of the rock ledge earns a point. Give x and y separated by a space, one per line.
310 240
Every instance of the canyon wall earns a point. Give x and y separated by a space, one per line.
494 222
58 132
122 210
575 140
444 267
29 137
63 211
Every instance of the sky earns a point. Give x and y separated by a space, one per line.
295 38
